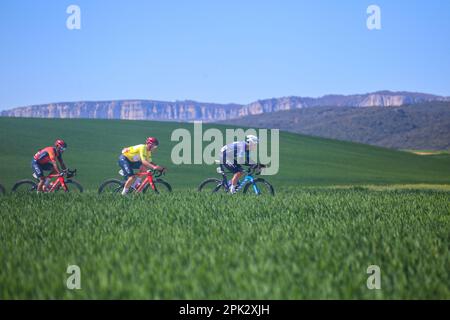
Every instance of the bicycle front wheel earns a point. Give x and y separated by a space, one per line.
111 186
73 185
161 187
259 187
211 185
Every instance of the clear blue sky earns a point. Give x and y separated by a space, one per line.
219 51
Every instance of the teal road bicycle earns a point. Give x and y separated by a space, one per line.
248 184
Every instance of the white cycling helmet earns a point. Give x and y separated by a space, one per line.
251 139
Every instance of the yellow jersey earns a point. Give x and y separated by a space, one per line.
137 153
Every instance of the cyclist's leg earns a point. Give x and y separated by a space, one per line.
136 166
127 169
51 170
48 167
238 175
38 172
142 168
237 171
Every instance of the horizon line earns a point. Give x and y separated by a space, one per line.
229 103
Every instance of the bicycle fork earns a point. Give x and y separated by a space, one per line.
249 179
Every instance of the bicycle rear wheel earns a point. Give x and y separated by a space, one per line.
211 185
111 186
259 187
73 185
24 186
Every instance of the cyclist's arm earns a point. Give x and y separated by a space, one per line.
53 161
149 164
55 167
145 159
62 164
249 161
152 165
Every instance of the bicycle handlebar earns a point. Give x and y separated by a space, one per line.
156 173
256 168
67 173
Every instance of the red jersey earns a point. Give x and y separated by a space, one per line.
47 155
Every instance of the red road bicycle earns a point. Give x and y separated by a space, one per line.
54 182
146 180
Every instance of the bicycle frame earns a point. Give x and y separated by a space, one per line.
247 179
58 182
147 180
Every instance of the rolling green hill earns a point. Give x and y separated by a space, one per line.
421 126
94 146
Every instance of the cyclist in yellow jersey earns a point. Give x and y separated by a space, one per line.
137 153
138 157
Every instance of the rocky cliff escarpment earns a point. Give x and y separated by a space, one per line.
191 110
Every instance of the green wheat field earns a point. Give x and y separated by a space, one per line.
339 208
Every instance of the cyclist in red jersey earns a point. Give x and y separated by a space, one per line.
46 160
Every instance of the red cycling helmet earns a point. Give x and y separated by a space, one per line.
152 141
60 144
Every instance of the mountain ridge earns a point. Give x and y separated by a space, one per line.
190 110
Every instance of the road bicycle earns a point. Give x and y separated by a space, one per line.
53 182
248 184
149 179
